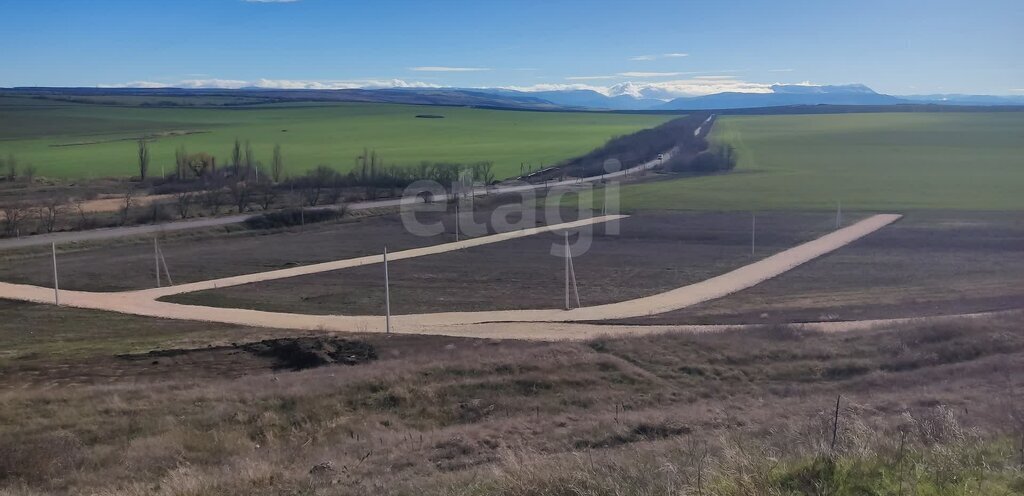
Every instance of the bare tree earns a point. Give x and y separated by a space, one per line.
143 159
213 197
29 173
250 159
49 212
83 215
266 195
127 202
240 193
277 165
483 171
236 156
183 201
14 215
11 166
180 162
316 182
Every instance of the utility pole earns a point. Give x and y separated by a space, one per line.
56 286
458 226
575 288
566 270
753 232
156 260
167 273
387 294
839 213
570 273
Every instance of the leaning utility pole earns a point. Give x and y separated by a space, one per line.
56 286
570 272
566 256
387 294
162 260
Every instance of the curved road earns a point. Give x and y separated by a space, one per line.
529 324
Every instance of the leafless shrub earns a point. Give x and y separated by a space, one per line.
29 173
13 215
83 220
183 202
265 195
127 203
11 167
49 212
240 191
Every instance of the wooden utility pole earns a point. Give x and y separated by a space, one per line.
839 213
167 273
575 288
753 233
156 260
570 273
566 255
56 286
387 294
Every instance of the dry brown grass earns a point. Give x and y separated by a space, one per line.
454 416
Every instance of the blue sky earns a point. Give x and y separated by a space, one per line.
672 47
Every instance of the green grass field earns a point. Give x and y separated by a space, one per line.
102 137
887 161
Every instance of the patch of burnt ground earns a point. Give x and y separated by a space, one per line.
286 353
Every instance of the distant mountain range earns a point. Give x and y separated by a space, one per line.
780 96
625 96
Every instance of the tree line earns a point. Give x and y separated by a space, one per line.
640 147
200 185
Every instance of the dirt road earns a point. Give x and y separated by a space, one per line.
523 324
202 223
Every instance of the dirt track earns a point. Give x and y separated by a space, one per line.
523 324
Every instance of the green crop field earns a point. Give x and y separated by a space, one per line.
885 161
76 140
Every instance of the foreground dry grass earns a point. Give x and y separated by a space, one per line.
936 410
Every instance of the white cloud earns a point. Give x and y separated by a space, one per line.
780 70
589 78
441 68
660 90
556 87
135 84
650 74
1017 90
645 58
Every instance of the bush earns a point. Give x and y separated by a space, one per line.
292 217
721 159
